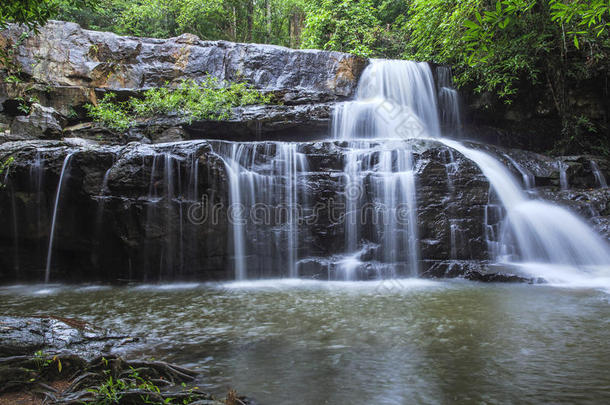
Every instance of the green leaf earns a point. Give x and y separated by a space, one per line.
471 24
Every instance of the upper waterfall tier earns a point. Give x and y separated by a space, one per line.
395 99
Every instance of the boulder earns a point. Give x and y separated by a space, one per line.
41 123
24 336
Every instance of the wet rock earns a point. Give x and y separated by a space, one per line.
139 210
452 268
145 203
305 82
20 336
590 204
495 277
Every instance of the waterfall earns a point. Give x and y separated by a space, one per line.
393 98
64 169
528 179
388 209
599 176
265 205
540 231
563 176
165 220
14 225
448 102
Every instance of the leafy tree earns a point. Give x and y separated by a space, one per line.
342 25
266 21
31 13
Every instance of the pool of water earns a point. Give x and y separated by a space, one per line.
389 342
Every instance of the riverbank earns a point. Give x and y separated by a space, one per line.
56 360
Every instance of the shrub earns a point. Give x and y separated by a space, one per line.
210 99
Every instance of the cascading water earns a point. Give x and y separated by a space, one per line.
448 102
266 204
380 237
387 212
599 176
537 231
396 97
173 187
564 183
528 179
64 169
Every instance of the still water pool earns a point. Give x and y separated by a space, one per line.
390 342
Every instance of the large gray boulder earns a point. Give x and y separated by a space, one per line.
64 54
66 67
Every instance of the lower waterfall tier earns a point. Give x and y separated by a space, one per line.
197 209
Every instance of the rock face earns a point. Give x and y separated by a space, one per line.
40 123
64 54
66 67
130 200
144 203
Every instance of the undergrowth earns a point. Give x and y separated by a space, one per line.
210 99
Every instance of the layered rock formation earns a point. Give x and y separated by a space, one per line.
65 67
128 199
135 212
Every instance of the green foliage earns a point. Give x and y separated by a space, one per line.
208 100
31 13
342 25
43 360
363 28
111 113
113 389
484 45
3 167
267 21
585 19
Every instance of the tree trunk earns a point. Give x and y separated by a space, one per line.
233 26
296 26
249 20
268 19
